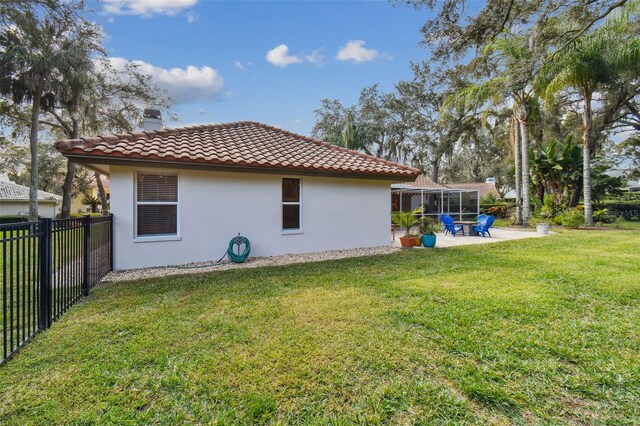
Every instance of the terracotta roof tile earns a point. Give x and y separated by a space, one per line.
423 182
240 144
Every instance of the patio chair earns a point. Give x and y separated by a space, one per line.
483 229
450 226
482 219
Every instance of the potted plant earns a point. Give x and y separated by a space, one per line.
541 222
406 220
428 229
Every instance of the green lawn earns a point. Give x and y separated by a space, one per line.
539 331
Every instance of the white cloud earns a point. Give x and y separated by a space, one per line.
202 111
189 84
279 56
355 51
147 8
242 66
315 57
298 121
192 17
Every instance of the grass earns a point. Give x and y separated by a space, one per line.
539 331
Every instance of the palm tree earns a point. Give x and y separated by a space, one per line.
516 58
91 201
33 51
588 66
353 135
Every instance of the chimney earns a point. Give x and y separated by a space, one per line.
152 120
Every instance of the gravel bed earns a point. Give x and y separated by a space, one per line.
251 262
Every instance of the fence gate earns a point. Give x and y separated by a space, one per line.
46 267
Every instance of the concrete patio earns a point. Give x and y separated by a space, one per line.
497 235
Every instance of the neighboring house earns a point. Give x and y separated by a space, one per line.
14 200
77 205
483 188
180 195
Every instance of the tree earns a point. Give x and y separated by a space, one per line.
513 60
34 50
91 201
461 26
588 66
375 125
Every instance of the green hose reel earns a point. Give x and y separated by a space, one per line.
234 251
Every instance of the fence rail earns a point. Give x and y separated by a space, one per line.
46 267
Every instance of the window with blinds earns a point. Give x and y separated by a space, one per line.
156 204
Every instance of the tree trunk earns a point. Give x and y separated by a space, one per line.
67 187
524 130
518 165
435 169
33 144
103 196
586 160
575 194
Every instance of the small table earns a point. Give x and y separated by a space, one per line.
467 226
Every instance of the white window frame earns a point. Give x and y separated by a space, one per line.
136 203
283 203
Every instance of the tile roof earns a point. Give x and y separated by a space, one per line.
243 144
10 191
423 182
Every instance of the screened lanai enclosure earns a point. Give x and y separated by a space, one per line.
435 199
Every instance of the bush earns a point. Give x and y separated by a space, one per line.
603 216
13 219
628 210
571 218
499 210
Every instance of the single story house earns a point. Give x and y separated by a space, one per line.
435 199
179 195
14 200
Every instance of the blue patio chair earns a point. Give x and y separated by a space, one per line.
483 229
450 226
482 219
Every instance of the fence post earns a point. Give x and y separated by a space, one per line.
86 224
111 237
44 249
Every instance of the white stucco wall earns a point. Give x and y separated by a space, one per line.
337 213
14 208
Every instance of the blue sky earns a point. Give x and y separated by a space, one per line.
213 55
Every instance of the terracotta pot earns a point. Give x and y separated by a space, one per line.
418 242
407 242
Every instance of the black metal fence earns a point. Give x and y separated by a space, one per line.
46 267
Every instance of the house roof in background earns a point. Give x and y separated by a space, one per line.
421 182
11 191
483 188
241 145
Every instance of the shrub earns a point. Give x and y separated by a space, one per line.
13 219
499 210
429 227
488 198
571 218
628 210
603 216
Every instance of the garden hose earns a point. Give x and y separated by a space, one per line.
234 256
238 257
